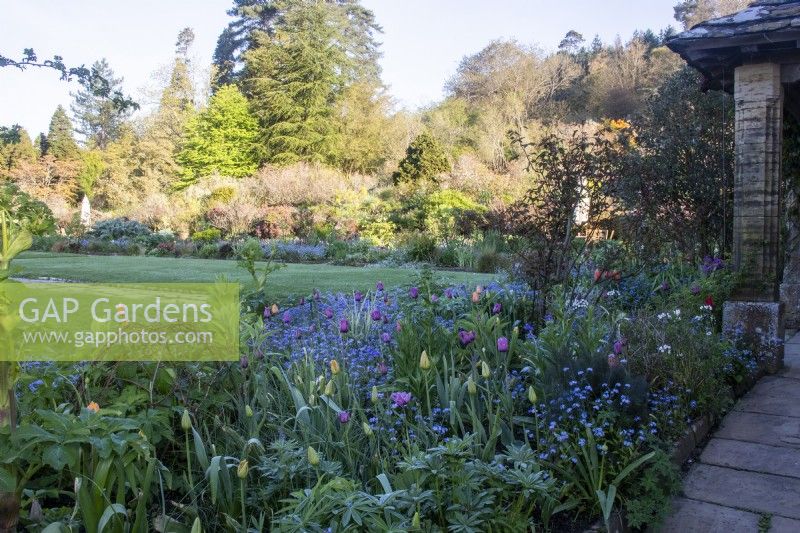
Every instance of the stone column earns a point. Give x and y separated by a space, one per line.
757 203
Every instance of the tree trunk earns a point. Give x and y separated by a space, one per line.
9 502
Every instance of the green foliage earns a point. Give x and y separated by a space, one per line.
91 170
25 212
116 228
221 139
15 147
59 142
99 119
206 236
651 492
425 160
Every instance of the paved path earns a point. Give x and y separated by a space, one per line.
750 469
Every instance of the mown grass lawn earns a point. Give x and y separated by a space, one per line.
292 280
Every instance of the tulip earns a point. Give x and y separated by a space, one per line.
597 275
243 362
329 388
344 417
267 312
36 514
479 289
386 338
424 362
312 400
274 309
618 345
379 286
710 301
335 368
248 411
448 293
376 315
471 387
382 368
415 523
358 296
259 354
485 371
413 292
287 317
434 298
328 313
303 300
502 344
197 526
401 399
374 396
496 308
243 468
466 337
398 327
93 407
476 297
186 421
313 456
367 429
344 325
316 295
532 395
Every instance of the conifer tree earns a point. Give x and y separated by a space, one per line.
97 119
60 143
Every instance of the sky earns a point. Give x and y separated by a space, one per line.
423 40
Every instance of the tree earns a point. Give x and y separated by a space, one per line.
97 119
60 143
91 169
221 139
366 131
424 159
15 147
235 39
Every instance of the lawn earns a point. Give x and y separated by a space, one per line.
293 279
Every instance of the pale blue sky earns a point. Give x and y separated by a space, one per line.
423 40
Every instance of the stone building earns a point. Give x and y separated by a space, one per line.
755 55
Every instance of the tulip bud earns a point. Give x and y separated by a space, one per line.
313 456
329 389
415 523
485 372
274 309
335 368
248 411
312 400
367 429
197 526
532 395
186 421
471 387
36 514
244 467
374 396
424 362
476 297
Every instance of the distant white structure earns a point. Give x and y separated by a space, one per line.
86 211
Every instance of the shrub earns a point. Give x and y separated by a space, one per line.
116 228
207 235
222 195
208 251
26 212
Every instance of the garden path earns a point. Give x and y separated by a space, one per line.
748 476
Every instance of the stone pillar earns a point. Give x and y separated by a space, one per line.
757 203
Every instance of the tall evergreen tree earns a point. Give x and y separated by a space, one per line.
15 147
60 143
221 139
297 71
98 119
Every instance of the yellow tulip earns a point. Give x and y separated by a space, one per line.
471 387
186 421
532 395
485 372
335 368
313 456
424 362
244 467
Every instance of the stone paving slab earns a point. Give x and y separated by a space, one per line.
692 516
761 428
780 524
770 405
753 491
777 386
753 457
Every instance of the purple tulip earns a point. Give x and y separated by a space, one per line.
382 368
398 327
400 399
496 308
466 337
618 345
665 286
695 289
303 300
344 417
316 295
287 317
243 362
376 315
259 353
386 337
502 344
267 312
434 298
379 286
344 325
358 296
448 293
298 334
328 313
413 292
